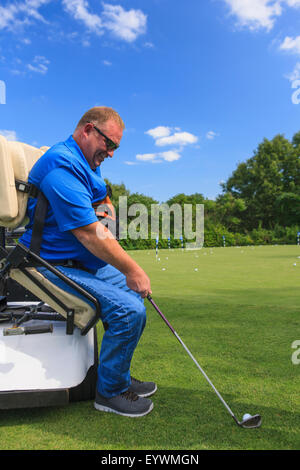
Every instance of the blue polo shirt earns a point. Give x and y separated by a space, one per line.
71 187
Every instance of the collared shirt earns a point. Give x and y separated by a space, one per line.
71 187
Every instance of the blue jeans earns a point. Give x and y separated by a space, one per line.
123 313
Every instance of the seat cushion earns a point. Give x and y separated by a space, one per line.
83 311
8 194
16 161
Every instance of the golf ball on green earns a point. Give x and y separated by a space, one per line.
246 416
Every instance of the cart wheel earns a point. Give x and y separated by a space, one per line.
87 389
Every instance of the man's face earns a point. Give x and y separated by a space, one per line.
96 148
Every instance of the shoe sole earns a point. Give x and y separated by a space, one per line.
129 415
149 394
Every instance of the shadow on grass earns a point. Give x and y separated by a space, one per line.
180 420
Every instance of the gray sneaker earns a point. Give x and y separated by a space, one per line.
142 389
126 404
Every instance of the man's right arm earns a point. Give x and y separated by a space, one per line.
100 242
71 205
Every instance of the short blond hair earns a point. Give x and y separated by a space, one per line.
100 115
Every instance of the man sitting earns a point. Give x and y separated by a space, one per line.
69 176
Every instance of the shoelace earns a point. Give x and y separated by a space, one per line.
128 395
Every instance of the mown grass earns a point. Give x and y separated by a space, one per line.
239 315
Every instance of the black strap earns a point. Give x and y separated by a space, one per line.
25 187
108 191
38 223
2 237
39 215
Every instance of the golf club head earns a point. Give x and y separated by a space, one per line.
251 422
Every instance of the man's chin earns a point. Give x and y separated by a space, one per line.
97 163
97 160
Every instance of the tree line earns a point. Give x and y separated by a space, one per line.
259 203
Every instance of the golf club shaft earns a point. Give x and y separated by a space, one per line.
191 356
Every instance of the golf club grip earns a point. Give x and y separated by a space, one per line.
36 329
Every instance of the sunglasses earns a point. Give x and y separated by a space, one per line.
110 144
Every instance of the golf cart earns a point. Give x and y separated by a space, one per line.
48 341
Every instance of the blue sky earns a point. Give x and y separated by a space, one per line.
199 83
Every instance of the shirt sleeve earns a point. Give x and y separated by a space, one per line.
69 198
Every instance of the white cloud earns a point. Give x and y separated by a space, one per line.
178 138
39 65
149 45
107 63
168 156
14 15
146 157
7 15
163 136
79 10
160 131
8 134
291 45
126 25
256 14
30 7
211 135
293 3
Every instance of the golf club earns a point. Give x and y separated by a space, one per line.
248 421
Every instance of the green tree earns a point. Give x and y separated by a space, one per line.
288 205
182 199
229 211
261 181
